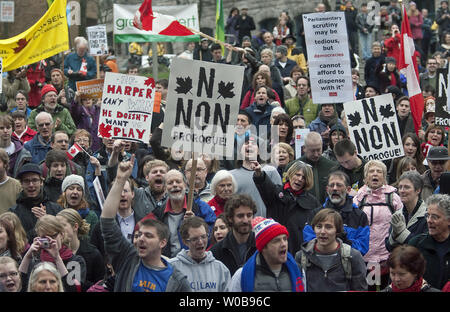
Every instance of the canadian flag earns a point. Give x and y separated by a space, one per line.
73 151
83 67
159 24
408 67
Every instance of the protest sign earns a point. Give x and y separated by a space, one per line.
374 128
127 107
442 105
202 106
300 135
124 30
45 38
90 89
328 57
98 43
7 11
99 192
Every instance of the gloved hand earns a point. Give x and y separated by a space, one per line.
398 223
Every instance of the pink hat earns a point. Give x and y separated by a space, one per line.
46 89
265 230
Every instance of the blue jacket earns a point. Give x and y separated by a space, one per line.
37 150
73 62
260 117
356 225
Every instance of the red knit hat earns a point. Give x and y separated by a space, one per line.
46 89
266 230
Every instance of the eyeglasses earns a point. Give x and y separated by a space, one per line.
432 216
31 181
82 140
4 276
46 124
195 240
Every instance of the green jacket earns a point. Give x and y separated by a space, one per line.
321 170
67 124
305 107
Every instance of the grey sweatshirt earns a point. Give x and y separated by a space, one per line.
209 275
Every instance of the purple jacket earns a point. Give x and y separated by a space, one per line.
87 118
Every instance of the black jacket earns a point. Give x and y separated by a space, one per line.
227 252
22 209
95 266
294 212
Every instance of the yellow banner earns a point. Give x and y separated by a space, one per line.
49 36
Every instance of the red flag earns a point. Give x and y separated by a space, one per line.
159 24
73 151
408 67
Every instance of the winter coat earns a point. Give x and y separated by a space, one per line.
37 150
416 26
208 275
67 125
415 225
250 98
217 204
435 274
304 106
321 169
294 212
73 62
392 46
428 185
20 157
126 261
286 70
23 210
227 252
379 217
26 136
87 118
356 226
260 117
95 265
334 278
10 88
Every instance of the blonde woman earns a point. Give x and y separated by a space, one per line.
291 204
76 238
49 246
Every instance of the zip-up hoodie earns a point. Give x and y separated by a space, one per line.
208 275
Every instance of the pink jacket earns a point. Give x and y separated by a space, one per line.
379 228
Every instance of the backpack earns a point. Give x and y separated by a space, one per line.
389 203
346 257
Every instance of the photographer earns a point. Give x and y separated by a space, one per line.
392 44
48 247
15 81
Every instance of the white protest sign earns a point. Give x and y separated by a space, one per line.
374 128
99 192
300 135
127 107
202 106
98 43
328 57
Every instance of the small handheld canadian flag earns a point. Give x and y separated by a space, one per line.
83 68
73 151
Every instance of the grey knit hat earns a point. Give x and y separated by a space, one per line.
72 179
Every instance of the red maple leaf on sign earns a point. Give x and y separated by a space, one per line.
150 82
104 130
22 43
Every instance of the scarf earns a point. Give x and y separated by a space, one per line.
31 202
64 252
415 287
83 212
393 80
288 187
249 268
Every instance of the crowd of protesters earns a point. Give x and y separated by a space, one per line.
329 220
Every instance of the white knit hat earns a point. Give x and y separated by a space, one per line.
72 179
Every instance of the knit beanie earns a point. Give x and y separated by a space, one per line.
46 89
72 179
265 230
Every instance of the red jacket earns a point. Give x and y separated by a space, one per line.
26 136
217 204
393 47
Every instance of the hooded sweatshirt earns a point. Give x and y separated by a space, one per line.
208 275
